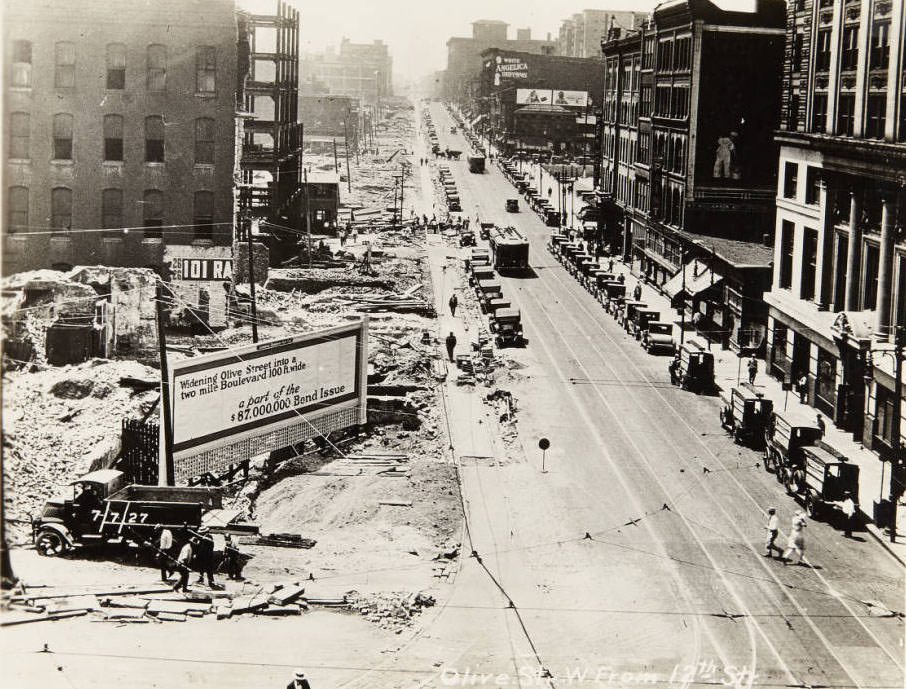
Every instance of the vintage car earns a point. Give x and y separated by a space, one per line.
630 306
658 337
508 326
640 320
785 435
693 368
512 205
746 415
486 290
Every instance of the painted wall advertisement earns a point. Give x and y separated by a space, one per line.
509 69
253 390
577 99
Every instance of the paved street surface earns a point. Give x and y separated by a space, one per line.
639 551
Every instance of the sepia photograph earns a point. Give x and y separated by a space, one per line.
395 344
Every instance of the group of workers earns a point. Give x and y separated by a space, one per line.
197 553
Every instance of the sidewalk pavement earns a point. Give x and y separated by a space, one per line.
728 369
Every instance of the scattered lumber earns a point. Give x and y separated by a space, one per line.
285 596
42 618
279 541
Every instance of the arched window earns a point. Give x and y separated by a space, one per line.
204 141
203 216
62 136
61 208
157 68
18 208
64 65
19 135
116 66
154 139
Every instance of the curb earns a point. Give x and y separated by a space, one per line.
882 541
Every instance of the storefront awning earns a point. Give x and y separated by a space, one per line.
698 278
478 118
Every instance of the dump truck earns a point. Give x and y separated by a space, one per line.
476 164
509 248
101 508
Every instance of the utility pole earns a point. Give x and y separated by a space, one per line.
164 388
248 233
402 185
336 165
682 330
346 139
899 350
307 213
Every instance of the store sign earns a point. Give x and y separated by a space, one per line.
253 390
216 269
570 99
509 69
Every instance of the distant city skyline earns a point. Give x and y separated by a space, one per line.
417 32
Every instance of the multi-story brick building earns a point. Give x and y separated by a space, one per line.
359 70
120 130
688 157
839 281
581 34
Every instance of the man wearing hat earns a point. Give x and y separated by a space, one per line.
299 681
205 556
773 528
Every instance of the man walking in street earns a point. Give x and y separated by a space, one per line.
819 422
610 266
773 527
796 541
849 514
299 681
183 563
753 369
451 344
453 303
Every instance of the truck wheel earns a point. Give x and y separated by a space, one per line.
49 543
737 436
812 508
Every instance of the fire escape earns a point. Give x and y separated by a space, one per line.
269 95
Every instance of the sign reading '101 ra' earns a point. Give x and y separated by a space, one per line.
206 269
258 388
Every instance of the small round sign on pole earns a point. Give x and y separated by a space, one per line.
544 443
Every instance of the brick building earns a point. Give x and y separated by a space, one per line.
688 166
359 70
117 120
581 34
839 280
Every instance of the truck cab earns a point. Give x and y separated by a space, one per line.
696 367
746 415
824 480
508 325
785 437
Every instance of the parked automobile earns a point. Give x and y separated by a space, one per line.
486 291
640 320
746 415
630 306
512 205
508 326
785 436
658 338
695 370
467 238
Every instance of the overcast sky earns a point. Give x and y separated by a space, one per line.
417 30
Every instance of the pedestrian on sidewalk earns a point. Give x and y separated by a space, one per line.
849 514
819 422
637 292
802 388
773 527
610 266
342 235
453 302
796 541
621 278
354 234
451 345
753 369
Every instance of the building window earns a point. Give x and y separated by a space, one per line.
116 66
18 208
797 51
787 231
885 414
790 178
203 216
846 117
871 258
113 137
809 264
812 185
850 55
62 136
21 75
205 69
879 57
822 50
153 213
204 141
792 115
665 55
112 209
61 208
819 113
876 116
19 135
154 139
157 68
64 65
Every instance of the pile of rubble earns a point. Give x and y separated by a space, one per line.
392 610
60 423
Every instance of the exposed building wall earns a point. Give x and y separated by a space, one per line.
84 37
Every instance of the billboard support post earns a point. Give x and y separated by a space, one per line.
168 478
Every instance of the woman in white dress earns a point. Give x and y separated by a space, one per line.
796 541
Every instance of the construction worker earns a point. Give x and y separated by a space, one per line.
164 551
183 564
849 514
204 556
451 344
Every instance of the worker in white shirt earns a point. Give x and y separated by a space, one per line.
164 551
773 528
849 514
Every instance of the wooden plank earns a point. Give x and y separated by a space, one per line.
286 595
177 606
171 616
71 603
43 618
395 503
112 592
249 603
279 610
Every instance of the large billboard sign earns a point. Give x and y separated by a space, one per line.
578 99
229 406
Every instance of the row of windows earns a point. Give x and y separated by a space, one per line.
670 151
878 48
672 102
875 115
674 55
20 138
791 182
115 61
152 203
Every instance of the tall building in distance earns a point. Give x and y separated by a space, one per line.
359 70
581 34
688 167
120 130
464 62
839 283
